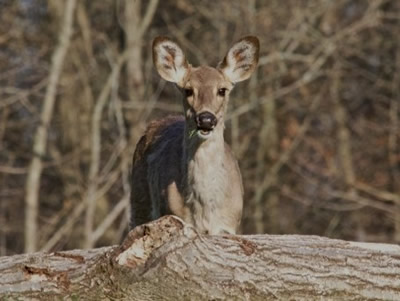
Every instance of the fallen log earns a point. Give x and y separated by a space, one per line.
168 260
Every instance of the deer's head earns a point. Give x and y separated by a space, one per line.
205 89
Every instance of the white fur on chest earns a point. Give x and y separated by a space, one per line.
207 184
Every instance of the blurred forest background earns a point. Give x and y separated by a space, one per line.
316 129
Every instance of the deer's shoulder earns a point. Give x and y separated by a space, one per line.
157 130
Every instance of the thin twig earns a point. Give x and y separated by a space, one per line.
96 148
269 177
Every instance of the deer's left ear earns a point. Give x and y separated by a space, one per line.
241 60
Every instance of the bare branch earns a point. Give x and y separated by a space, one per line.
95 149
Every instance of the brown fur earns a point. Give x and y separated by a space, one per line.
141 206
177 167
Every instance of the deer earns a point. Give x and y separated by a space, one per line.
182 165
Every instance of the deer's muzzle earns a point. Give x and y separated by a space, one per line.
206 122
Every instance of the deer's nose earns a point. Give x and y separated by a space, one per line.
206 121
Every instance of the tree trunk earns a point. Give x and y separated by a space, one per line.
167 260
40 140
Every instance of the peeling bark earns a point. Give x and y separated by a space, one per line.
168 260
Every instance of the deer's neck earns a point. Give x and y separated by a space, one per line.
203 162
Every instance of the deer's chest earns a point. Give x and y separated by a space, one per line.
206 195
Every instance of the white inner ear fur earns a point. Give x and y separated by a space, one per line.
171 62
240 61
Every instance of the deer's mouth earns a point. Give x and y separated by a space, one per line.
204 132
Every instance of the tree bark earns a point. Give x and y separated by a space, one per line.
168 260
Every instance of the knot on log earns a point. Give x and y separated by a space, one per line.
144 239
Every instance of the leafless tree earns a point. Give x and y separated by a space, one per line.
316 130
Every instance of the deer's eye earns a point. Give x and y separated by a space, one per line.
188 92
221 92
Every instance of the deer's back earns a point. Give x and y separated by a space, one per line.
156 164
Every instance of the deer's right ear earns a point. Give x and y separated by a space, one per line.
170 61
241 60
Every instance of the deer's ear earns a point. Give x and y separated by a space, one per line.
241 59
170 61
